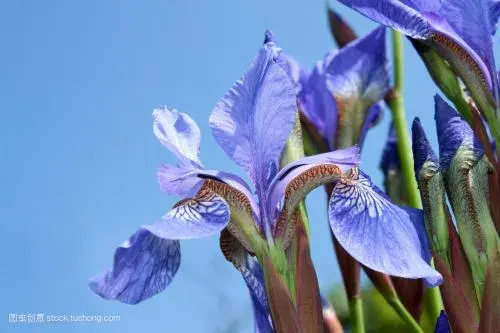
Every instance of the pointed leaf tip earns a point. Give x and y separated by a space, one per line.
341 31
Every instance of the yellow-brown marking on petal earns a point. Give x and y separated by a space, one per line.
232 249
240 207
234 197
460 51
297 189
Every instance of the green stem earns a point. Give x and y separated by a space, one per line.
396 304
433 297
400 125
356 315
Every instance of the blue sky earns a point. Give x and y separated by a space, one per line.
79 82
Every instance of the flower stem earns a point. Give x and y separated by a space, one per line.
432 298
400 125
404 314
356 315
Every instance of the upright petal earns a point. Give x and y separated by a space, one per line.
494 15
317 103
178 180
253 120
179 133
357 77
377 233
143 266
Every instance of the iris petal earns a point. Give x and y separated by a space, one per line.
186 182
143 266
395 14
254 278
390 157
297 179
379 234
460 29
358 77
146 263
259 108
179 133
318 104
202 216
442 325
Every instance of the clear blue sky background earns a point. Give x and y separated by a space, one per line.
79 80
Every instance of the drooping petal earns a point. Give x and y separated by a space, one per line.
470 25
143 266
293 182
179 133
357 77
377 233
187 181
251 271
254 278
201 216
460 30
253 120
399 15
453 133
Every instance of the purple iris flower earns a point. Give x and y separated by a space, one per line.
442 325
341 95
390 157
459 30
252 123
254 278
454 134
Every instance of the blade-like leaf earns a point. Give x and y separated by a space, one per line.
460 268
455 302
283 312
309 309
493 178
490 314
411 293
